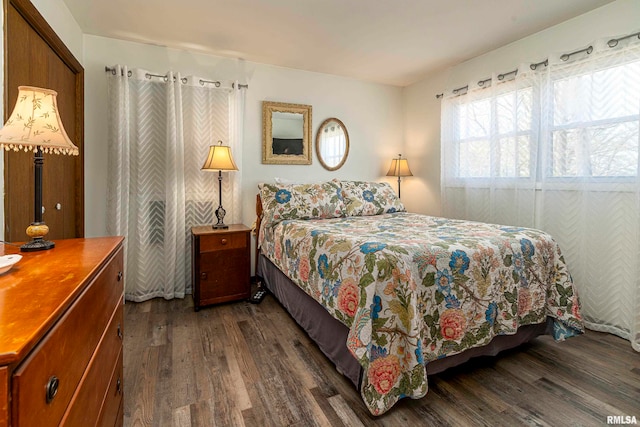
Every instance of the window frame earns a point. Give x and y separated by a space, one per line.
494 138
584 160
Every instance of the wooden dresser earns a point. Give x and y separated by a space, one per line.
61 314
221 264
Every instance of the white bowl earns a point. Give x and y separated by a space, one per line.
7 261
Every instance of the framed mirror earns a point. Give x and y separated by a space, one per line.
286 133
332 144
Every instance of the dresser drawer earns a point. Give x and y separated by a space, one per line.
86 404
63 355
216 242
112 407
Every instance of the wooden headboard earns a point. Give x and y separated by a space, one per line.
258 222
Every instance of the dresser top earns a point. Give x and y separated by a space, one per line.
37 290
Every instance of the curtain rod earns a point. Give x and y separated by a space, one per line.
184 80
112 70
614 42
535 65
563 57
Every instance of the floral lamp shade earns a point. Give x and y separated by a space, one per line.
35 123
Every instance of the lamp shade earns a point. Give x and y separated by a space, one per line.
35 123
219 159
399 167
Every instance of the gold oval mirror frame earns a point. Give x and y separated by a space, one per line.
332 144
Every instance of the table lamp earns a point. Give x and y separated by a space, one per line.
219 159
35 125
399 167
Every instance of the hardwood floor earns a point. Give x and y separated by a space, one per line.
243 364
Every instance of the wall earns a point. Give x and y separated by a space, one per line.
422 109
371 112
60 19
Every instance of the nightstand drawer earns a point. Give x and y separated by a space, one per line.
219 242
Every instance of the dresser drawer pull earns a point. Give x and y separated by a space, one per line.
119 276
52 388
203 276
119 386
223 241
119 331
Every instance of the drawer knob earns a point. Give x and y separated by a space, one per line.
119 331
119 276
223 241
52 388
119 386
203 276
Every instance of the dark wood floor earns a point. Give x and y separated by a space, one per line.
244 364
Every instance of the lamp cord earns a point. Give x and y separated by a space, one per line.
9 243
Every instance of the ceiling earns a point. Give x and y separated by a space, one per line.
392 42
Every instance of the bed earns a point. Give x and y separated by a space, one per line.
392 296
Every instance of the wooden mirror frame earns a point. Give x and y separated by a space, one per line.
318 136
268 156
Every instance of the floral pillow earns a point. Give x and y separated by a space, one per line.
363 198
301 201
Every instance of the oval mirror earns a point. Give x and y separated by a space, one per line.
332 144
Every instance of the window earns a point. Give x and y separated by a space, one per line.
595 123
584 123
494 136
572 123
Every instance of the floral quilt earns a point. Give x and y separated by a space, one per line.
415 288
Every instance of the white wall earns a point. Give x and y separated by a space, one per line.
60 19
422 109
371 112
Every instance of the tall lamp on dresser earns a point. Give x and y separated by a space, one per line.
35 125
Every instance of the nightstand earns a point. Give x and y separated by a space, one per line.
220 264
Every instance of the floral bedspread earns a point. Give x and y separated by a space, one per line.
414 288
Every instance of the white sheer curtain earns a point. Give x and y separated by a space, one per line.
160 130
489 151
558 149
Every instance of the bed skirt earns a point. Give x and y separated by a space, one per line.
331 335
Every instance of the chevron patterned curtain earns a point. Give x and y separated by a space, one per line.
557 148
160 130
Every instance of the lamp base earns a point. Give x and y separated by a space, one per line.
220 225
37 231
37 244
